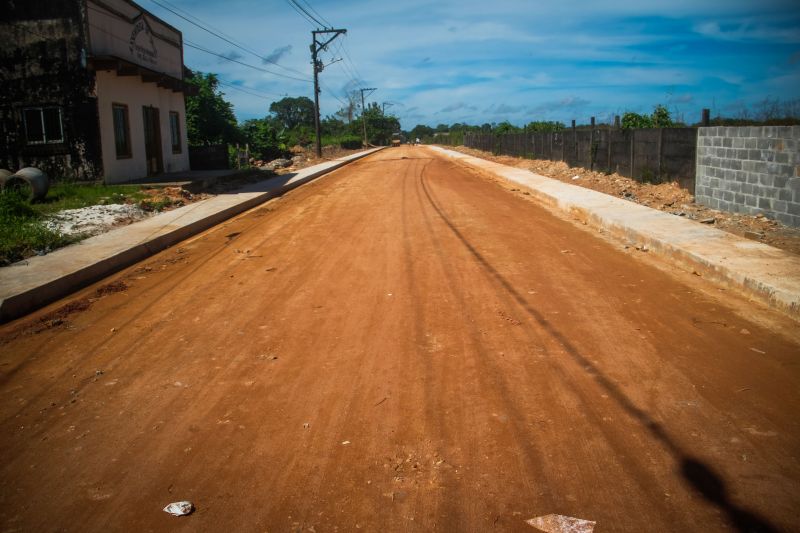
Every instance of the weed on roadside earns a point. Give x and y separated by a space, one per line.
64 196
22 233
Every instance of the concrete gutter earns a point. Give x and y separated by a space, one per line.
28 285
759 271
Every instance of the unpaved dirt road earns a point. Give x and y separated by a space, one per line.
402 345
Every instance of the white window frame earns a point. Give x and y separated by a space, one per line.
41 110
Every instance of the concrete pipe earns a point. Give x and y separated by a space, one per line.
32 182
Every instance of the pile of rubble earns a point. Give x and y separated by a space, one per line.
96 219
276 164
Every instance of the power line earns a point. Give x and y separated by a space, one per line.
198 47
317 13
349 59
347 64
218 33
305 14
251 92
332 93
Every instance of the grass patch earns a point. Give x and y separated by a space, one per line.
73 196
22 233
22 229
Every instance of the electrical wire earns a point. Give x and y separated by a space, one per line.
317 13
303 14
218 33
350 59
294 3
232 60
251 92
349 71
202 49
328 89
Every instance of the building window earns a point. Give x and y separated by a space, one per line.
43 125
175 131
122 131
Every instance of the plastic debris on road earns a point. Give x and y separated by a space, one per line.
179 508
557 523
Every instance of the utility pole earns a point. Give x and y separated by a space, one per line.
383 107
363 109
316 46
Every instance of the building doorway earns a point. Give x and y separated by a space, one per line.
152 141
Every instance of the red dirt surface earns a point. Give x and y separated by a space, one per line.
668 197
402 345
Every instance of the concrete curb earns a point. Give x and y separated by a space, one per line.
757 270
38 281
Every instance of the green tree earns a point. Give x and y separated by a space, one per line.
264 139
660 118
379 126
209 117
506 127
631 120
421 131
544 125
293 112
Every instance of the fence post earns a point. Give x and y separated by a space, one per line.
660 152
608 142
633 143
591 146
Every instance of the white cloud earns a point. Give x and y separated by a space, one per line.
746 30
449 60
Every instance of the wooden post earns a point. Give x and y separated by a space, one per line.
608 142
633 143
660 152
591 145
574 141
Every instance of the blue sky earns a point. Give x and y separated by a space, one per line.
494 60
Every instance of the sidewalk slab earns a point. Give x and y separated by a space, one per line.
33 283
758 270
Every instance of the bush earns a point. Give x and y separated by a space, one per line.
22 233
14 206
350 142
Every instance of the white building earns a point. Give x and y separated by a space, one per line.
138 61
94 89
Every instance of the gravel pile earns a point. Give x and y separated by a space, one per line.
95 219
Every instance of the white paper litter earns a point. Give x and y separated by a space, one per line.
179 508
558 523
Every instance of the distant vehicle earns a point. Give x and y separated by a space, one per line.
396 139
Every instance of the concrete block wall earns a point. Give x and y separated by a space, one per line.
750 169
